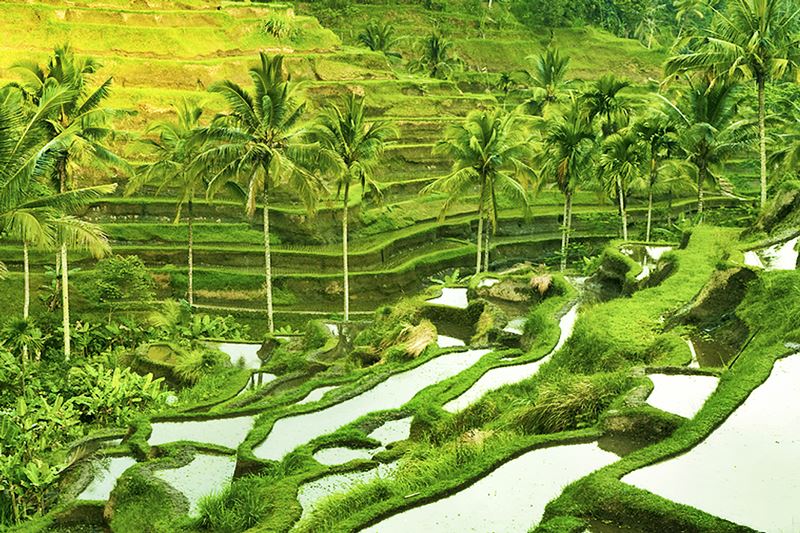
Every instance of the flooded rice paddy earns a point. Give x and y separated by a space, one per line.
748 469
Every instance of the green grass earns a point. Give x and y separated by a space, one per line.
602 496
623 331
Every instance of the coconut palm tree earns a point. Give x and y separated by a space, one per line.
29 210
176 147
659 134
435 57
709 132
569 143
548 77
88 121
754 40
259 143
620 165
350 147
490 151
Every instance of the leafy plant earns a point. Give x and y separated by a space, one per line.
121 278
113 396
379 37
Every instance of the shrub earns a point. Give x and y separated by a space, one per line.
121 278
113 396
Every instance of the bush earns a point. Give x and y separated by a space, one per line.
113 396
121 278
316 335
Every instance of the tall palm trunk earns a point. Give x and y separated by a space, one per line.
344 255
486 246
564 233
569 223
190 223
649 213
701 179
480 232
762 139
622 210
653 177
62 185
267 258
26 299
65 301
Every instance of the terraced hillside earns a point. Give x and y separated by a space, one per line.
162 53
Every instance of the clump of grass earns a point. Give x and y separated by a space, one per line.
236 508
192 366
568 401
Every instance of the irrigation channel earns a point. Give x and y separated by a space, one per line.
510 498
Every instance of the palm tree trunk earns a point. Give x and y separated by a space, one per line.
26 299
762 139
65 301
649 213
701 178
191 257
569 227
267 259
486 245
622 210
344 255
564 234
480 233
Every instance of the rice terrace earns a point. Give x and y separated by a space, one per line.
436 266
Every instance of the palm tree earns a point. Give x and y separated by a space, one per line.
379 37
175 150
548 76
435 57
620 166
259 142
568 147
708 130
29 210
490 150
89 123
753 40
350 149
603 100
658 133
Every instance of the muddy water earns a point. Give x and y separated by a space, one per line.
747 470
510 499
310 494
229 432
506 375
341 455
107 472
246 353
392 431
289 433
206 474
317 394
781 256
451 297
679 394
443 341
